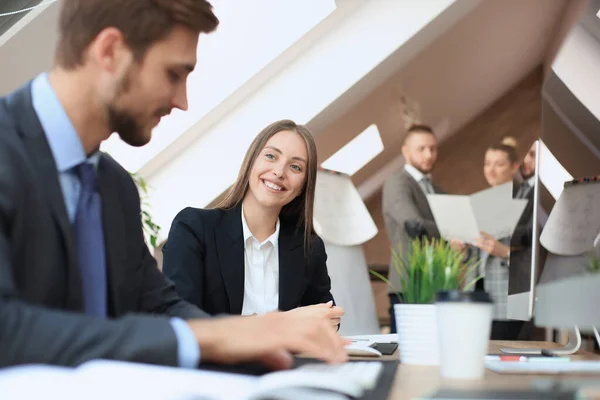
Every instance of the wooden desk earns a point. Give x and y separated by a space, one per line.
414 381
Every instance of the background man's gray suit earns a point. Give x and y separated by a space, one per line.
404 200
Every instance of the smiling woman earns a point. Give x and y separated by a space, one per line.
257 252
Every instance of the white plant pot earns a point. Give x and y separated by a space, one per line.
417 334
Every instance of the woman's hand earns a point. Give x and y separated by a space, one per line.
324 310
458 245
489 244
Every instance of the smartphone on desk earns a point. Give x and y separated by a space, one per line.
386 349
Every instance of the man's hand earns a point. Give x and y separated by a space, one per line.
489 244
326 311
269 338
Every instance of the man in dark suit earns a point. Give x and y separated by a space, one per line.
522 238
405 208
74 268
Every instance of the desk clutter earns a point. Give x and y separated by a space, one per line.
369 348
544 365
499 394
309 379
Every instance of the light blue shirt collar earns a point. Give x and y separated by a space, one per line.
64 142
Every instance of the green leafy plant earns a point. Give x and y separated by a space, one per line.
594 265
150 228
431 266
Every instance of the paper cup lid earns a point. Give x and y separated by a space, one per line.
456 296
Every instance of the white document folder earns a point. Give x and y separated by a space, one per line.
492 210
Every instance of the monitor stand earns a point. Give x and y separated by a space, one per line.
572 346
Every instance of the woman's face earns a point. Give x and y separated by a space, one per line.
497 168
279 171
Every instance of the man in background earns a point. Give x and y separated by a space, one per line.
522 238
76 279
527 170
405 208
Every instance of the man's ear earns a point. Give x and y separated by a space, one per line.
109 51
404 151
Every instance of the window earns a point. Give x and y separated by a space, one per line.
225 63
356 153
552 174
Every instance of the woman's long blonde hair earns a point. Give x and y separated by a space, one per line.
301 208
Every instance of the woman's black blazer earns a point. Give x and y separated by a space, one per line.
204 258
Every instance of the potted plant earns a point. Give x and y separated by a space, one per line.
593 264
151 229
430 266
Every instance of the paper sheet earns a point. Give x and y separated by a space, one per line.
454 217
40 382
340 215
121 380
574 223
491 210
151 382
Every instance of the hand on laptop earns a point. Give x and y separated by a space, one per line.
269 338
324 310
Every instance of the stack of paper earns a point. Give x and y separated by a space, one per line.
492 210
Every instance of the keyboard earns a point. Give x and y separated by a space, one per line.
366 373
350 379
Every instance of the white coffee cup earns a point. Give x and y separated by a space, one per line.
463 323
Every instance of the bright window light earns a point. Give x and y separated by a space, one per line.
356 153
251 35
552 174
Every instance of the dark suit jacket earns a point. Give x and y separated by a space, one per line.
404 200
521 249
41 318
204 257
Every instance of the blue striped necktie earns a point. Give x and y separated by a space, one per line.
89 239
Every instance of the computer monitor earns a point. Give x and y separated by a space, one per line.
566 295
571 138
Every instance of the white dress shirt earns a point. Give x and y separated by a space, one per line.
419 176
261 272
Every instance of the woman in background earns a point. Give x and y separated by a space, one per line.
257 252
500 166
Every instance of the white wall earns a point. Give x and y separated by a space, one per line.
578 66
27 48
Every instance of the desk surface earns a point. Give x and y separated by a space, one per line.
415 381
